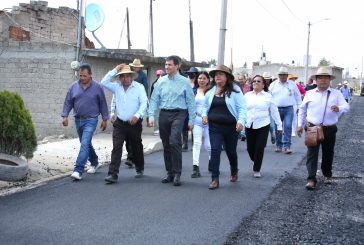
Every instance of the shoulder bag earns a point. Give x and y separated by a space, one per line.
315 134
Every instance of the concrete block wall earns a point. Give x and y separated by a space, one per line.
42 81
37 45
298 70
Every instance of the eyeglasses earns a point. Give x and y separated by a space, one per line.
257 81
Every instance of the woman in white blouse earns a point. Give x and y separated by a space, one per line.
200 130
259 108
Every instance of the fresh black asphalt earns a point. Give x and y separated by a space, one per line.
143 211
332 214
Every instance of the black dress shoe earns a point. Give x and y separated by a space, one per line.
168 179
139 174
176 180
129 163
110 179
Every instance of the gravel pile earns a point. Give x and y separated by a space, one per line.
332 214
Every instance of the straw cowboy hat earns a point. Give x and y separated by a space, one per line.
267 76
323 71
282 71
291 76
224 69
136 63
126 70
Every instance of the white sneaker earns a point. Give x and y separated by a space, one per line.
76 175
93 169
257 175
156 133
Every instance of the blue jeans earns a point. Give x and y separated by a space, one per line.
286 114
219 134
85 130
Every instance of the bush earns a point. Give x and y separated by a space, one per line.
17 133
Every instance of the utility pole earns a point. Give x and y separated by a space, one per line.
307 53
127 28
192 47
151 43
79 29
221 54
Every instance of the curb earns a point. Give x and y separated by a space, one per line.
23 186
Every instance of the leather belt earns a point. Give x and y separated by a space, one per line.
127 122
325 126
172 110
82 117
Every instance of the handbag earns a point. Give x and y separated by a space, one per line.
315 134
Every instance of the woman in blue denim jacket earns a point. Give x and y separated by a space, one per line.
225 112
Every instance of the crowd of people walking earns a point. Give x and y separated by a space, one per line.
214 107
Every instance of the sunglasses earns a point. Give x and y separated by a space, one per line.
257 81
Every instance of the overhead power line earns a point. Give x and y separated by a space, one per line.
300 20
277 19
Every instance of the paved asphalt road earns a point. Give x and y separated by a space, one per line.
143 211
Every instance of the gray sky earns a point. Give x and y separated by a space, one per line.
277 26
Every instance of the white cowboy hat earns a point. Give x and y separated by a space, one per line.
345 82
126 70
136 63
323 71
267 76
282 71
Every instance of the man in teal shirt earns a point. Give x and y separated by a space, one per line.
175 97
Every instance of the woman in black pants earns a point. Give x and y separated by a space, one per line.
259 108
225 112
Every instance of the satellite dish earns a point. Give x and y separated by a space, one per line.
94 18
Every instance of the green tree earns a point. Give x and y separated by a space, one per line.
212 62
324 62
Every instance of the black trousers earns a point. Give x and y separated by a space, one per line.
129 149
256 140
220 134
170 130
327 146
123 130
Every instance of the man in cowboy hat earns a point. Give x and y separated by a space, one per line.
315 110
131 103
294 78
285 95
175 97
346 91
87 99
141 77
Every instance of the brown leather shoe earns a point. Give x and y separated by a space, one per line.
234 177
214 185
311 185
327 181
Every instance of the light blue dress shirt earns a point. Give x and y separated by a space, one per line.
235 103
173 93
346 92
129 103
